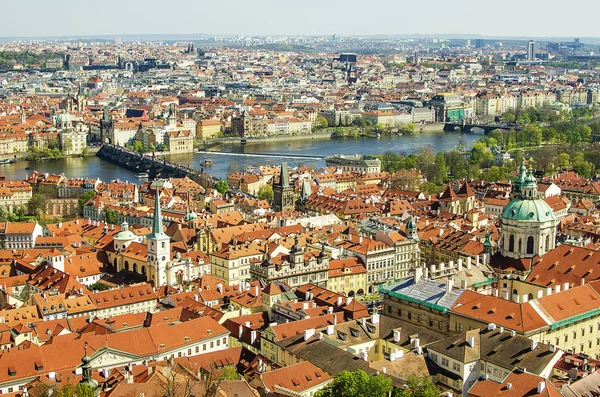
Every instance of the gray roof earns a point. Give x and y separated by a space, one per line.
325 355
425 290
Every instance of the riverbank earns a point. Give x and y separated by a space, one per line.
22 156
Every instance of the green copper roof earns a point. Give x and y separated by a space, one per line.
157 224
528 210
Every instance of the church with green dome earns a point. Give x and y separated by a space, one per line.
528 226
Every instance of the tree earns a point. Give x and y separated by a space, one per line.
320 123
85 197
408 128
233 167
357 384
407 180
3 214
440 171
266 192
176 382
417 387
222 186
214 376
138 146
36 204
111 216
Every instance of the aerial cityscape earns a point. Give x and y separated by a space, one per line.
319 206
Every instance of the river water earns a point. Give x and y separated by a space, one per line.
309 152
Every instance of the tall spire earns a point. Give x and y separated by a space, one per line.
284 178
157 224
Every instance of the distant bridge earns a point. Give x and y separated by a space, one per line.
153 166
487 128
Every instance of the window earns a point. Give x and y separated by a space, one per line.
530 245
511 243
456 366
566 338
459 327
445 362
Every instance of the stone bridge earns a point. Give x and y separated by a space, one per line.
487 128
153 166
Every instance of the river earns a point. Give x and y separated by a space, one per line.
295 152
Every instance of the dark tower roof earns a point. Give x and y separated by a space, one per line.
284 178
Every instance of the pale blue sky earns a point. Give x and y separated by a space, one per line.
529 18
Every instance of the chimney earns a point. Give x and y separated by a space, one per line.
471 341
247 324
384 370
329 309
348 300
418 274
256 290
552 348
417 342
397 335
508 386
339 301
308 333
320 336
364 356
449 285
304 305
220 288
469 263
330 329
240 330
582 281
541 386
501 329
491 327
460 265
533 344
375 318
252 337
463 284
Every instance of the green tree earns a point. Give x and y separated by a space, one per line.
222 186
111 216
418 387
3 214
36 204
440 171
266 192
85 197
320 123
357 384
138 146
408 128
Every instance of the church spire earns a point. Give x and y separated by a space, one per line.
284 178
157 224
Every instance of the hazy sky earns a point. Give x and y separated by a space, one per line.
305 17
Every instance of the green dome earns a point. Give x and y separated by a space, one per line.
190 216
528 210
64 118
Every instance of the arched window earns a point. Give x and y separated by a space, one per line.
163 245
126 265
520 245
515 292
530 296
548 242
530 245
144 270
511 243
135 268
